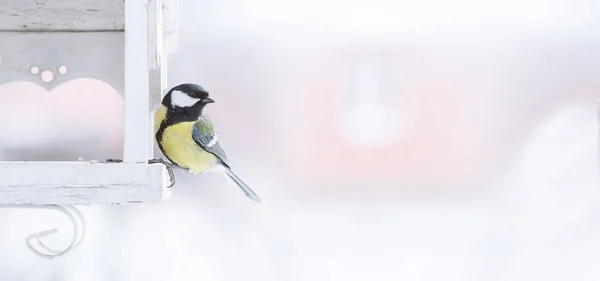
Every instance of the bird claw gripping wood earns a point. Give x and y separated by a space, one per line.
154 161
169 169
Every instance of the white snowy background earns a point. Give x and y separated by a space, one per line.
537 219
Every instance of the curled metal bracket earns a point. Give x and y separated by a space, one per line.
79 227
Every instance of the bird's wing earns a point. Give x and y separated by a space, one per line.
204 135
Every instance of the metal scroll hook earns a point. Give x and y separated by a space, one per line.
79 226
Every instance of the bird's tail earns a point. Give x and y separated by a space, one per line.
245 188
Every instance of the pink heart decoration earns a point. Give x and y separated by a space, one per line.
79 118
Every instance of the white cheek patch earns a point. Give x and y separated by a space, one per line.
181 99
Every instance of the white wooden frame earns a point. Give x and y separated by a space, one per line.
84 183
81 183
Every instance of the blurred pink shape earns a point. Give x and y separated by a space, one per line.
77 111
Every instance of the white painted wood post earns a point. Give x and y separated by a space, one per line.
156 51
137 103
156 60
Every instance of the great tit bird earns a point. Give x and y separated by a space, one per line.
186 136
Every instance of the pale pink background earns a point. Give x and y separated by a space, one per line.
486 171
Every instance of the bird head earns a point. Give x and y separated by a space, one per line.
187 97
186 100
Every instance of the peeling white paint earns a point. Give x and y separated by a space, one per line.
81 15
82 183
65 15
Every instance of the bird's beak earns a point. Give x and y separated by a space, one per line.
208 100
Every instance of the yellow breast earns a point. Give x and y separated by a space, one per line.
178 145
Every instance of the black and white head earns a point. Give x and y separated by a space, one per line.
187 98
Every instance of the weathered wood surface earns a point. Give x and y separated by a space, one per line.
80 15
81 183
61 15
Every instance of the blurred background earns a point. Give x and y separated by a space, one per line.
389 140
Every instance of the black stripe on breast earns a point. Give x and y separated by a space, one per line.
173 117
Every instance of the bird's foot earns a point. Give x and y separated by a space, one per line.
169 166
154 161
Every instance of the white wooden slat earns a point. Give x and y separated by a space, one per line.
81 183
137 98
63 15
80 15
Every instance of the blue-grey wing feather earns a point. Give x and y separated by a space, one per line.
205 137
203 140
